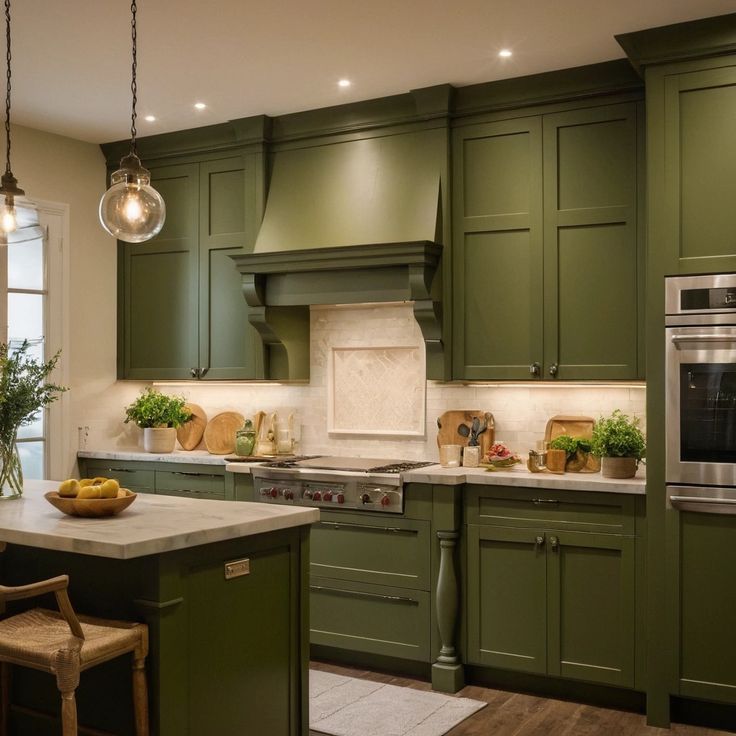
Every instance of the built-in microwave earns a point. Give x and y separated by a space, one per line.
700 327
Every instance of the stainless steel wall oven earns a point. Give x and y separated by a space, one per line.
700 326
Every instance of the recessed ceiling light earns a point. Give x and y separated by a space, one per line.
504 53
344 83
200 105
150 118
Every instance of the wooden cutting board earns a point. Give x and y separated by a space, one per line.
575 426
219 435
190 434
448 423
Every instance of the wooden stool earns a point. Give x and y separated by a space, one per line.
64 645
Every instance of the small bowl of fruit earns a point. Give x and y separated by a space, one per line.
92 497
499 457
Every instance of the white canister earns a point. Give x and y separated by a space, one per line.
471 456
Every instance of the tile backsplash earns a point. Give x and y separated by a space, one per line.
520 411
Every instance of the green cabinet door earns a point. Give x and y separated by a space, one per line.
591 261
497 249
506 593
696 154
703 604
158 291
227 341
591 613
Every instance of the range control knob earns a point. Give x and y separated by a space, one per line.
341 498
327 496
385 500
273 492
365 498
308 495
316 496
289 495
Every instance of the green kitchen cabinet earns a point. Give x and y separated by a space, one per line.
194 480
702 604
549 592
692 160
182 312
546 246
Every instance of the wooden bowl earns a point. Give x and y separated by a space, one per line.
91 507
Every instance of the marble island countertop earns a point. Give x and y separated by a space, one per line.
151 525
178 456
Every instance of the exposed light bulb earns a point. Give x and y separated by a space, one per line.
8 217
132 207
150 118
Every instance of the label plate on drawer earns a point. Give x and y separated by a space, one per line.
237 568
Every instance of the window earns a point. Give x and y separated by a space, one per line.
32 275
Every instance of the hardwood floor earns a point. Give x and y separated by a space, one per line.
516 714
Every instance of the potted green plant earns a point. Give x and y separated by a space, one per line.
24 392
578 455
620 444
159 416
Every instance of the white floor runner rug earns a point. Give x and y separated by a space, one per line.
345 706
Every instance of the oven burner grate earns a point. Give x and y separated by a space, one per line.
399 467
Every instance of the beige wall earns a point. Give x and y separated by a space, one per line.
58 169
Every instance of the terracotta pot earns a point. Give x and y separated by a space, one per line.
619 467
159 439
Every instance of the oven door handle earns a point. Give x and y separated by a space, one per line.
680 500
706 337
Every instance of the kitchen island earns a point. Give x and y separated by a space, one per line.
229 654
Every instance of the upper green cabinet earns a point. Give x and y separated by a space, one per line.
182 311
692 107
546 254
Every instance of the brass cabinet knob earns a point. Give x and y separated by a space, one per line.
534 369
553 370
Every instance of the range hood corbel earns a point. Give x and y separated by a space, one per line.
280 286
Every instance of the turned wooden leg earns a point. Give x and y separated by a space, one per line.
140 688
5 674
68 713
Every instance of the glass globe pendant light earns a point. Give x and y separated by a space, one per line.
131 209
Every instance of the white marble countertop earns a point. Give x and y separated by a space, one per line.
520 476
178 456
150 525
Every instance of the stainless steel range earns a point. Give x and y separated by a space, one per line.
362 484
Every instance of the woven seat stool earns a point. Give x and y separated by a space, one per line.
64 645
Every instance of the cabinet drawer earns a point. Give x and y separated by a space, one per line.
541 508
369 618
194 484
376 551
133 478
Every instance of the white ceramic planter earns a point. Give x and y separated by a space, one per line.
618 467
159 439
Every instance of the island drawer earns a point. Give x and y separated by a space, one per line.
375 619
593 511
379 551
191 483
133 478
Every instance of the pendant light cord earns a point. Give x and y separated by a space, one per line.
7 95
133 84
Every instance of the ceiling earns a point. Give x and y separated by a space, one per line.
71 59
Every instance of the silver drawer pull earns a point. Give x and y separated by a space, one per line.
119 470
545 500
699 499
347 524
193 475
363 594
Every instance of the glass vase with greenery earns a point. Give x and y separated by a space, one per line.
24 392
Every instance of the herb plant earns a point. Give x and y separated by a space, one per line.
154 409
570 444
24 391
618 436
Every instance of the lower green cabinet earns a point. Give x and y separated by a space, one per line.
192 480
551 601
703 604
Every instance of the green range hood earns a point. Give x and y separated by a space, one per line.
349 223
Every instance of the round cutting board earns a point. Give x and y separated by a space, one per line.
190 434
219 435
